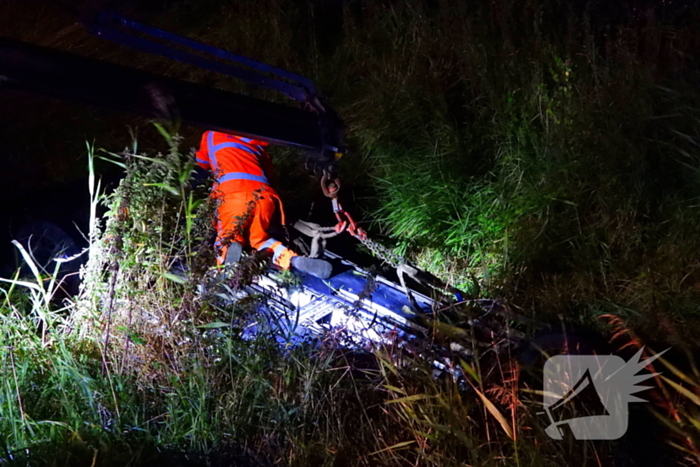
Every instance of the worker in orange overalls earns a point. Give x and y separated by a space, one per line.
241 167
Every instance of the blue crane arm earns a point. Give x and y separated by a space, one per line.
119 29
311 126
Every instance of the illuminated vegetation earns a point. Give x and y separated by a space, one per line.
552 154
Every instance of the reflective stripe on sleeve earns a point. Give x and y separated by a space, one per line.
278 250
237 146
268 243
212 151
277 247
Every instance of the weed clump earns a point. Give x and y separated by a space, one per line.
554 160
553 157
147 360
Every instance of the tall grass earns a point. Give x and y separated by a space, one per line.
556 160
144 365
141 361
550 149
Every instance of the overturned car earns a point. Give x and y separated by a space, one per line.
404 307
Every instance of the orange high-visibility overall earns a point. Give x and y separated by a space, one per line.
247 202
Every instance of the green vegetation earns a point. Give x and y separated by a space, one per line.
144 366
550 150
559 165
141 362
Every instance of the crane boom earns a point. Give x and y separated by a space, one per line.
311 127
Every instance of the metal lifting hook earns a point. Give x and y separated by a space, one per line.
330 185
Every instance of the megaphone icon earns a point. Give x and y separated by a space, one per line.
582 400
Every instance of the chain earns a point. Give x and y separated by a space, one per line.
330 184
382 252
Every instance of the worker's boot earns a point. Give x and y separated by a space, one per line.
316 267
234 252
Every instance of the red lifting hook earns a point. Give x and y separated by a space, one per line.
330 188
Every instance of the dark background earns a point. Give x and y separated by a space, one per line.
43 140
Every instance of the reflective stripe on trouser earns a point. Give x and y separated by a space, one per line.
243 219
